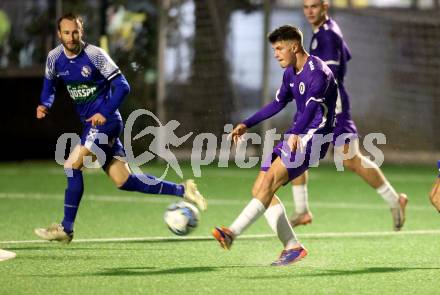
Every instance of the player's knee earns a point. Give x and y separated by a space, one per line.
265 191
119 181
72 165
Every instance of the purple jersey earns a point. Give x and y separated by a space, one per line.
328 44
87 77
315 92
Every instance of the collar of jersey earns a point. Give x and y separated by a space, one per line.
319 28
300 71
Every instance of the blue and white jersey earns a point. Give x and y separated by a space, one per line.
87 77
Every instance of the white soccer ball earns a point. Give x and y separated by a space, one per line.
181 218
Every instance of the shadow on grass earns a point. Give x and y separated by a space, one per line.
165 241
132 272
150 271
349 272
73 249
146 271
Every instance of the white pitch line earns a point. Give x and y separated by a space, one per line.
244 237
211 201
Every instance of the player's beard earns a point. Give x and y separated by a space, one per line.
73 47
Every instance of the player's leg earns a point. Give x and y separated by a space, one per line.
302 214
434 195
5 255
276 217
258 204
63 232
119 172
373 175
224 235
266 185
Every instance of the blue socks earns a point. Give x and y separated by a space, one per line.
75 189
134 183
72 198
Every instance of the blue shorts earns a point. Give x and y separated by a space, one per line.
297 162
92 138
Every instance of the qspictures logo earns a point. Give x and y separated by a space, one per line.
207 148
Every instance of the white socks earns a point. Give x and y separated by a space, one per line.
301 198
389 194
278 222
248 216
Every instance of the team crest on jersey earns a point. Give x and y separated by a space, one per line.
86 71
302 88
314 44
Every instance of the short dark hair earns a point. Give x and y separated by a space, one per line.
71 16
285 33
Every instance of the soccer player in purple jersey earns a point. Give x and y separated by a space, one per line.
311 83
97 88
328 44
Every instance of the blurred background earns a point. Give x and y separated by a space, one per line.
207 63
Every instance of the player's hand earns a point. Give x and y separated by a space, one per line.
238 131
294 142
97 119
42 111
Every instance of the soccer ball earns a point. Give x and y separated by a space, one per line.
181 218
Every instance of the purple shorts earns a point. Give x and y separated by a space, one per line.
92 137
345 128
298 162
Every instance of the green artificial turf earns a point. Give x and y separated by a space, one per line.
352 249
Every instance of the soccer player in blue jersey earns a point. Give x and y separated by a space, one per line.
328 44
311 83
97 87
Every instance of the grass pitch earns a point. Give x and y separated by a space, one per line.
122 245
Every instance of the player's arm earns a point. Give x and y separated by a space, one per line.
121 89
111 72
282 97
329 50
264 113
47 96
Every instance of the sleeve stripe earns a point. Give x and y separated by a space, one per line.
314 99
305 139
114 74
276 95
332 62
